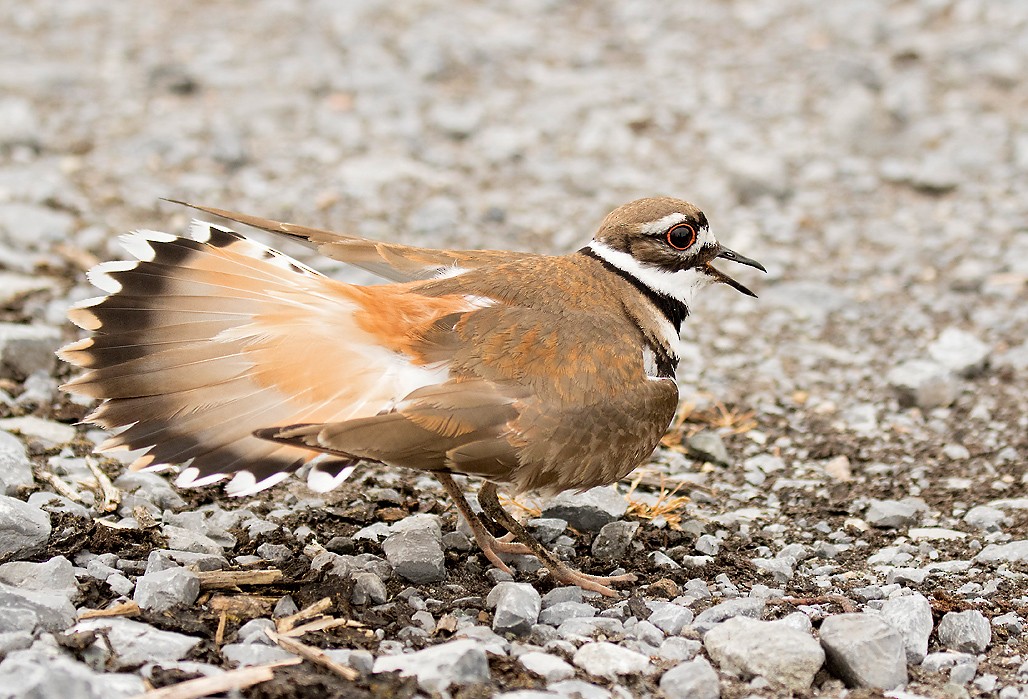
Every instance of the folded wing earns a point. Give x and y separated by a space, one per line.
401 263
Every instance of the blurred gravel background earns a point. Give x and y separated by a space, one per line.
861 430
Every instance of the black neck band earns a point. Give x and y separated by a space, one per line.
671 308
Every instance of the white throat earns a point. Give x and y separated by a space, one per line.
680 285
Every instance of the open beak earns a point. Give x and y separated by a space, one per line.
734 257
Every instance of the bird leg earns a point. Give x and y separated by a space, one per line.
490 545
562 572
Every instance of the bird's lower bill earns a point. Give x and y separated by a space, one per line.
720 276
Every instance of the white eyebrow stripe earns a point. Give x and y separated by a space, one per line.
662 224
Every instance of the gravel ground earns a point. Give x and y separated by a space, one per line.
852 444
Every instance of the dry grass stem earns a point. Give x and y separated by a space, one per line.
123 609
287 623
218 684
223 579
315 655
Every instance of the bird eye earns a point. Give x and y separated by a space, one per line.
681 236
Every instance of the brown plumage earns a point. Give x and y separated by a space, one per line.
544 373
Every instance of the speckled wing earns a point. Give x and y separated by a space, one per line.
401 263
534 402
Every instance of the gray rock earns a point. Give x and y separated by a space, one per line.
590 510
669 617
960 352
892 514
937 662
546 529
923 383
285 606
249 654
985 518
517 607
756 174
32 610
527 694
694 679
43 673
373 532
182 539
462 662
24 529
557 614
167 589
777 652
457 541
965 632
708 545
584 628
14 285
57 504
751 607
162 559
613 540
911 616
1009 622
15 640
415 549
25 349
360 660
707 445
864 650
55 433
781 569
15 466
487 639
677 649
120 584
19 123
603 659
569 593
152 487
35 227
1010 552
368 588
254 630
133 643
578 689
645 632
549 667
56 575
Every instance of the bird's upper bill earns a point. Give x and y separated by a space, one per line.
720 276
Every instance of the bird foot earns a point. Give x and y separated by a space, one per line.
596 583
491 547
560 571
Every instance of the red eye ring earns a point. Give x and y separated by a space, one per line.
681 236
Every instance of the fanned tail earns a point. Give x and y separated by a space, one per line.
200 342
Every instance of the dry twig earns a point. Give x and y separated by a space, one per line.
59 486
324 624
218 684
286 623
315 655
225 579
242 606
110 496
123 609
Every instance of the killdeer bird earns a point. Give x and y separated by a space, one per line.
538 372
